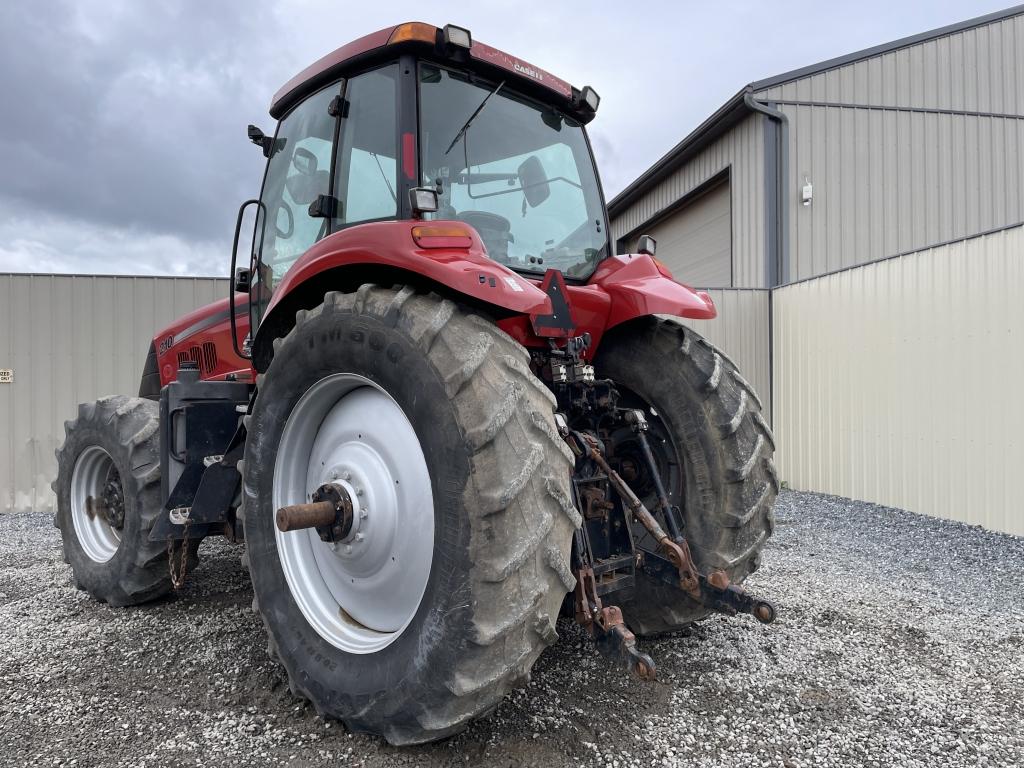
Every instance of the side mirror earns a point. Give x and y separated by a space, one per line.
260 139
647 244
242 280
304 161
534 181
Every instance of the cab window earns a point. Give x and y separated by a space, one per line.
299 171
367 164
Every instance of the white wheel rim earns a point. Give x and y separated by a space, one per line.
361 593
98 538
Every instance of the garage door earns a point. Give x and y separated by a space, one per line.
695 242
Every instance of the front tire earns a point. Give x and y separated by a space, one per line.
452 637
111 458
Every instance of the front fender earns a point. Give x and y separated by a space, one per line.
637 285
388 247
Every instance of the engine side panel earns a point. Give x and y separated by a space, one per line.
204 337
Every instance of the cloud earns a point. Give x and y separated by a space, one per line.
122 143
133 122
50 244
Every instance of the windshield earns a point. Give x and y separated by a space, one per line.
520 174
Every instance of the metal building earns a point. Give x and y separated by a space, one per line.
72 339
908 154
889 150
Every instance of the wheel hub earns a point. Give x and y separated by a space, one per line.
359 585
112 500
97 503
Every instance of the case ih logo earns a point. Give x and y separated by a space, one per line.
525 69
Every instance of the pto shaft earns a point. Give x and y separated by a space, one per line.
299 516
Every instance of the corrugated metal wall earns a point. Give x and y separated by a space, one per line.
741 151
887 182
975 70
899 382
72 339
742 331
892 179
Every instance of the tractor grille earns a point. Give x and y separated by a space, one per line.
204 356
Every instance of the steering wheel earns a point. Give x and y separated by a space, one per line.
485 220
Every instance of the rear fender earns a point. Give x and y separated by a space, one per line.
386 252
638 285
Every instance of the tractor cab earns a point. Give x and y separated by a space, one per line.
423 123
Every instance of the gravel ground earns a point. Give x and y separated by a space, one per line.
899 642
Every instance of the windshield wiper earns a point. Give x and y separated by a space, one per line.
385 176
472 117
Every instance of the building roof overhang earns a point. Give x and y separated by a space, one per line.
736 108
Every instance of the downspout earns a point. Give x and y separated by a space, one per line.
777 215
776 188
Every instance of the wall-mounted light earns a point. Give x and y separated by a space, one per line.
806 192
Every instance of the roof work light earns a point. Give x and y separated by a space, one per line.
457 36
589 97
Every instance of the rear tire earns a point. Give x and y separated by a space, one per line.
712 418
113 447
502 516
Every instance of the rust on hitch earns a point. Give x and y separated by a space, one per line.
677 552
608 628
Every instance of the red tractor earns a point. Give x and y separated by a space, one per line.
437 408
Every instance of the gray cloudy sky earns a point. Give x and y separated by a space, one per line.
123 142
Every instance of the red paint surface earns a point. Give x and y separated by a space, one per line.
357 47
637 287
520 68
623 288
409 155
480 51
218 333
468 271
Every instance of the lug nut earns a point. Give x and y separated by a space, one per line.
348 549
359 537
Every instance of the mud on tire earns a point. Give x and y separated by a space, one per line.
126 429
503 516
713 419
